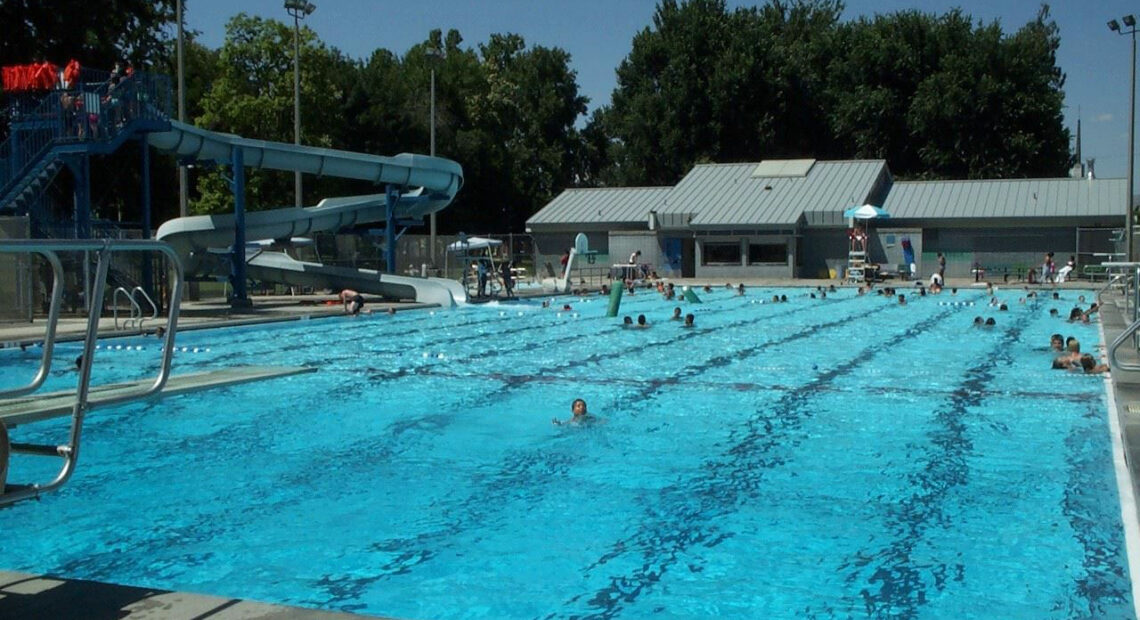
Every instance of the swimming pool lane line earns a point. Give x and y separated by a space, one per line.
791 398
972 395
901 587
1124 486
716 490
591 359
1102 582
478 502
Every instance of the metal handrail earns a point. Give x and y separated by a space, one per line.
1111 281
1129 332
49 340
136 311
153 306
105 248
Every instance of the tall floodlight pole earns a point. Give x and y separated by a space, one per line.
1130 29
434 54
298 9
183 190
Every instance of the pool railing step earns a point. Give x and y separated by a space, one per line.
24 410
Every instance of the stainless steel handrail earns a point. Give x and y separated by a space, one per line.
1128 332
153 306
136 311
52 321
105 248
1111 281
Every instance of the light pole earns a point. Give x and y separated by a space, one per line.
1129 28
183 190
433 53
298 9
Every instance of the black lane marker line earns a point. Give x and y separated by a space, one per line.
722 485
1105 589
647 385
524 470
533 469
899 586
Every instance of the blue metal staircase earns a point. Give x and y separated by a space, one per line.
91 118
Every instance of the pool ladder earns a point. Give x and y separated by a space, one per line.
136 319
69 452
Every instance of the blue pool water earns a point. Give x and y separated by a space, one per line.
816 458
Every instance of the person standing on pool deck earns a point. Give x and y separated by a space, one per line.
941 266
352 301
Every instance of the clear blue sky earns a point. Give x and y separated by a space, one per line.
598 33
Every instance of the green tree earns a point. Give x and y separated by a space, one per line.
518 144
96 36
252 96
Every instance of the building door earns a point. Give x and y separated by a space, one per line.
688 258
673 257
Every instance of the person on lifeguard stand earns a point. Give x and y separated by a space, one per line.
858 239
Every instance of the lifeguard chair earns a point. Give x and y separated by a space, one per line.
857 255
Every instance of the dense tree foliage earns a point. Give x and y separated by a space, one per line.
937 96
95 34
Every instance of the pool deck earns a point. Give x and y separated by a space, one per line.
34 596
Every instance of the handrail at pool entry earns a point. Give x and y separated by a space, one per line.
1113 279
153 306
136 311
1129 332
70 452
1131 305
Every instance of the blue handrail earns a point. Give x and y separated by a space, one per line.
93 110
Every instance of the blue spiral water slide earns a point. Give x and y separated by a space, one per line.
427 185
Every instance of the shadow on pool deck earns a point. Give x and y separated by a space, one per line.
31 596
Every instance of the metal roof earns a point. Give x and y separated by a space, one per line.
728 194
1015 198
606 205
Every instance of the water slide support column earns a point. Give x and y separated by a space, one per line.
147 267
240 298
393 194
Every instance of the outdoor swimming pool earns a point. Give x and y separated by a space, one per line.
821 457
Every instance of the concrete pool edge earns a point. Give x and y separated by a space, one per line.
1121 388
27 595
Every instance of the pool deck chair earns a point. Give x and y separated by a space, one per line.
22 405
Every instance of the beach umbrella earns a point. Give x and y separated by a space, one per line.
866 212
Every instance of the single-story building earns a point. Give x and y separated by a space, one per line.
784 218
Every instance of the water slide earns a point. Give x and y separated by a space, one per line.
436 180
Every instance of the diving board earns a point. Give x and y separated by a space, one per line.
18 411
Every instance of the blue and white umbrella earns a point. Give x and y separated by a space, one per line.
867 212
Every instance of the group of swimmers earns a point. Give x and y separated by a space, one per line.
1071 358
642 322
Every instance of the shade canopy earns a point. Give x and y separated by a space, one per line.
474 243
866 212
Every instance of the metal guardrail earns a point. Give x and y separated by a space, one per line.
69 452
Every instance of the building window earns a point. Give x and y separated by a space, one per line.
767 253
720 253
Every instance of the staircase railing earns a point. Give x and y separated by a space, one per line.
91 111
